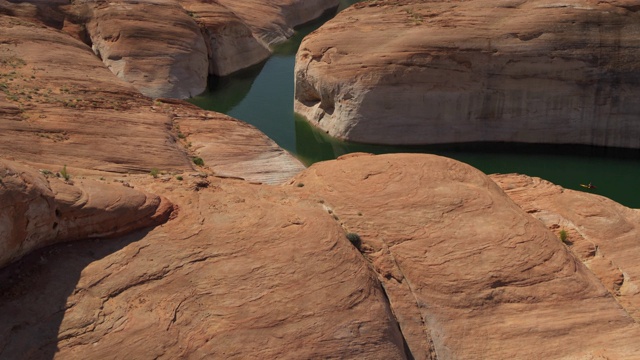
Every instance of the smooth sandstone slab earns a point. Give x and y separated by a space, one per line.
469 274
417 72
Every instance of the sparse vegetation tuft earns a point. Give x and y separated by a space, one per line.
563 237
65 175
198 161
355 240
154 172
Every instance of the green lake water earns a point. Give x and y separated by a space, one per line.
263 96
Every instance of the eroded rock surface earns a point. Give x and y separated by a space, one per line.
468 273
59 105
244 271
273 20
153 44
227 145
167 48
418 72
600 232
37 211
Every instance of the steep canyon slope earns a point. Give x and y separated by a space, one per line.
167 48
425 72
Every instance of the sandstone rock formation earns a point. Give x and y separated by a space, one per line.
154 45
450 266
231 148
231 43
417 72
600 232
273 20
62 106
240 33
167 48
469 275
244 271
37 212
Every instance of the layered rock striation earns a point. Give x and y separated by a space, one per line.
213 266
414 72
243 271
59 105
469 274
154 45
167 48
600 232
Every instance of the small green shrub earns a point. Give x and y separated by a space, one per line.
198 161
181 135
179 177
300 185
355 240
65 175
154 172
563 236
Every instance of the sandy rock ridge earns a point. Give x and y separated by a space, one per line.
425 72
600 232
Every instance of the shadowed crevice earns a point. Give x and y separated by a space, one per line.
34 293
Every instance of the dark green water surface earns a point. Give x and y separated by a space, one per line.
263 96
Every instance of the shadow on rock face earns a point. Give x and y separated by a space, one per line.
34 294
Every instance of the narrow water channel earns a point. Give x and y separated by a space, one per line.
263 96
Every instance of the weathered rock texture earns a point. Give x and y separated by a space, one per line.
418 72
239 33
167 48
244 271
154 45
600 232
53 115
60 105
227 145
231 43
253 271
469 274
37 211
273 20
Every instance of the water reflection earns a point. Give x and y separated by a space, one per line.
613 171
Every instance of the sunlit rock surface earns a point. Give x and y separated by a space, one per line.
417 72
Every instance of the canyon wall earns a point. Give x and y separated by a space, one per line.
535 71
